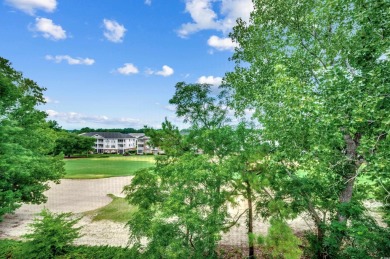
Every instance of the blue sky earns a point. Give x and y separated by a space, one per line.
115 63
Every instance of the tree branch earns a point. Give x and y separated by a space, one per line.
234 221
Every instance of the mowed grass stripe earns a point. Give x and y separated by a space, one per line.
93 168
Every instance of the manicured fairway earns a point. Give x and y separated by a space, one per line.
92 168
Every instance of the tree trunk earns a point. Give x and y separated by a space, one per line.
346 195
351 153
250 220
320 239
321 254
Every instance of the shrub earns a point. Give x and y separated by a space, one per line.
132 152
281 241
101 252
52 235
9 248
14 250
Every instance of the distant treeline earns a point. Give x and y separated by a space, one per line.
125 130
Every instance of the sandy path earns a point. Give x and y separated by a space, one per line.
75 196
84 195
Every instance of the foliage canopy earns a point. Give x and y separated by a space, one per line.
317 75
25 142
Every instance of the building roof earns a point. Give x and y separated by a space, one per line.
116 135
107 134
137 135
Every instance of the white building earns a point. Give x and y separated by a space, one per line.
115 142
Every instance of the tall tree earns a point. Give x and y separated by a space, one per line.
70 143
25 142
238 150
181 202
317 74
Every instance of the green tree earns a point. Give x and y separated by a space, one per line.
236 158
54 125
317 75
125 130
237 150
181 207
52 235
203 172
70 143
25 142
168 138
183 200
198 106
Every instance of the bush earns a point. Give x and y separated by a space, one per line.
101 252
281 241
52 235
9 248
14 250
132 152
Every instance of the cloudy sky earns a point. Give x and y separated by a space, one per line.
115 63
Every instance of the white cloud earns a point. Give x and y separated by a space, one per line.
166 71
52 113
30 6
234 9
204 17
127 69
113 31
221 44
148 2
70 60
48 29
78 118
210 80
170 107
50 100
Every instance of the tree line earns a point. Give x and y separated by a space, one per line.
121 130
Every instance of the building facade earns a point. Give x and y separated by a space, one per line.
119 143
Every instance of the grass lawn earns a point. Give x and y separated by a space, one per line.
118 210
102 167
